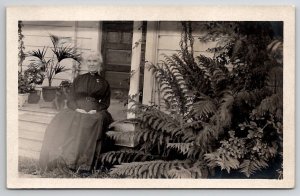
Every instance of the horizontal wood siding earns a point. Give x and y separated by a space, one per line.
168 43
84 35
169 36
87 39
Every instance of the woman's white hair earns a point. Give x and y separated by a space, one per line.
93 55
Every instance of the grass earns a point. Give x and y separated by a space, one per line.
29 166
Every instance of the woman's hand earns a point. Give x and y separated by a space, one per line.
80 110
92 112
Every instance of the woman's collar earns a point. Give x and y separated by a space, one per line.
94 73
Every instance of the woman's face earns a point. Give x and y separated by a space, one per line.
94 64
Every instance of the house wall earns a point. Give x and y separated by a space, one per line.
169 36
36 36
88 34
164 38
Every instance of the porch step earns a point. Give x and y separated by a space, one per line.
33 121
122 138
32 126
29 148
42 107
32 145
29 153
31 135
122 133
36 118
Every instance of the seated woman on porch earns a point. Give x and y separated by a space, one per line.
74 136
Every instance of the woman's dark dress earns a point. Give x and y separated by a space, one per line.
74 137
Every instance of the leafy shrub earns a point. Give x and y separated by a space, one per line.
24 83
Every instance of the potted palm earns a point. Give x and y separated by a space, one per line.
54 65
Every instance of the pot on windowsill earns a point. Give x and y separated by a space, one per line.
49 93
34 96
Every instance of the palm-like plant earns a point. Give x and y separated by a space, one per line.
53 66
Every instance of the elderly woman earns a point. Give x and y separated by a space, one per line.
74 136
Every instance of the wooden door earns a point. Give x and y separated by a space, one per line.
116 49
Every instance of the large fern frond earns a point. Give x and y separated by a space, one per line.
122 137
272 104
226 162
249 167
123 156
172 85
180 147
251 98
205 139
224 114
204 108
154 169
160 121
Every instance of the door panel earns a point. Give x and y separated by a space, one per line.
118 57
117 80
116 49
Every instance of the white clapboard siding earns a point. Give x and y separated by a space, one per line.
169 35
162 53
168 43
175 28
84 35
172 42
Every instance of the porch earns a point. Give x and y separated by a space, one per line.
127 48
33 120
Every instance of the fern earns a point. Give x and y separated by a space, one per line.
172 85
251 98
124 156
249 167
272 104
224 161
181 147
213 116
204 108
121 136
157 169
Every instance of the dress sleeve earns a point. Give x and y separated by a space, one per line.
105 101
71 99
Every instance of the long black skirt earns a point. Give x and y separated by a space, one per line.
74 138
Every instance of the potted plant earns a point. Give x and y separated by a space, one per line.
24 87
35 76
51 67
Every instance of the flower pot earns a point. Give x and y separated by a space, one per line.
49 93
34 97
22 99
